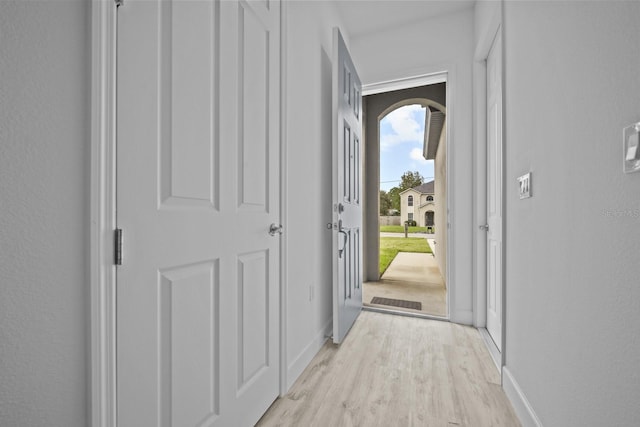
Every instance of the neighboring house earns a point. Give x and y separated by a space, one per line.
418 204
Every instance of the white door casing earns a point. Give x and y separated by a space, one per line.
494 192
347 193
197 190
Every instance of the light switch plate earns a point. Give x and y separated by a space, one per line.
524 186
631 148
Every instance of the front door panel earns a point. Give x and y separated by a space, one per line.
347 177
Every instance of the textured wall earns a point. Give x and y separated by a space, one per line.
309 35
573 287
44 129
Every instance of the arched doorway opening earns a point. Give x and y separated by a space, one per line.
413 203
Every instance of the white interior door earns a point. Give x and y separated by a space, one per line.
494 192
197 190
347 184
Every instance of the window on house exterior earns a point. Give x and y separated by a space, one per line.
410 201
429 198
410 217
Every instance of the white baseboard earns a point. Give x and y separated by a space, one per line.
303 359
519 401
491 347
463 317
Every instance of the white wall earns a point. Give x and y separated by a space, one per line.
573 272
308 275
441 44
44 153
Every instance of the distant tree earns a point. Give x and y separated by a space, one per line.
394 196
385 203
410 180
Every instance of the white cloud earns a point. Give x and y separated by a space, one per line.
416 154
407 125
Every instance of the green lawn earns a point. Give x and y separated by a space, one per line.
390 246
400 229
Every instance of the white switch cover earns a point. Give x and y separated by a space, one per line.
631 148
524 186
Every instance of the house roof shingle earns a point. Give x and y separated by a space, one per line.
426 188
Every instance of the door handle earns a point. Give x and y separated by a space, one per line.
342 229
275 229
344 243
484 227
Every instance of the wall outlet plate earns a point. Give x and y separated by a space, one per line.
631 148
524 186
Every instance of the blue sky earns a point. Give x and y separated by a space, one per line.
401 138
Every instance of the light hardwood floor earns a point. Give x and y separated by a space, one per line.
398 371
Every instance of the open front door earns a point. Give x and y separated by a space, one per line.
347 182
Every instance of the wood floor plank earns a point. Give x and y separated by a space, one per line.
480 404
489 368
397 371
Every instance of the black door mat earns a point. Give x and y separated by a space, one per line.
415 305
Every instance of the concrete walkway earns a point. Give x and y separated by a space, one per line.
410 277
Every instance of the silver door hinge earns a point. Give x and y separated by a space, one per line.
119 2
117 245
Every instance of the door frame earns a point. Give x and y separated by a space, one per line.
483 47
102 271
102 274
446 75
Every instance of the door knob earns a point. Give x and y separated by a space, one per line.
275 229
484 227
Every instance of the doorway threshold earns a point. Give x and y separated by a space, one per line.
404 313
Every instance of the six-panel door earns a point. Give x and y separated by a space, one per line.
347 184
197 189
